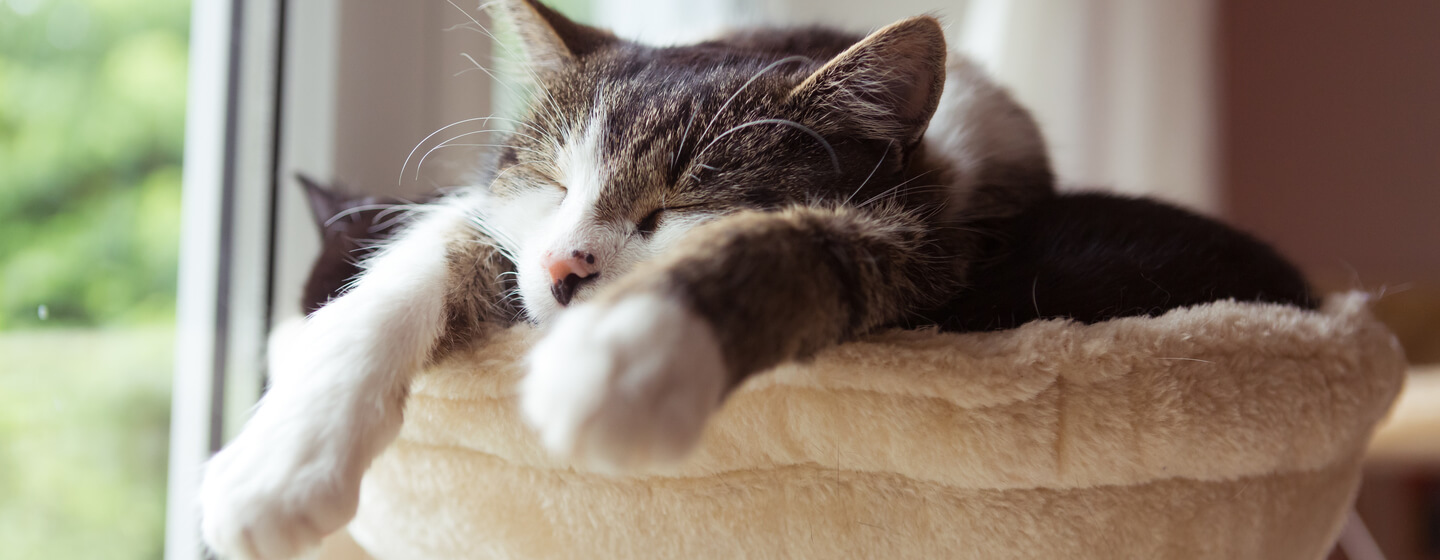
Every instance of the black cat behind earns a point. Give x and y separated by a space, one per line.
350 228
1092 257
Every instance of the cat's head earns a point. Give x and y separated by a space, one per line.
350 227
628 147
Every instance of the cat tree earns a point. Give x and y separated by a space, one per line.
1223 431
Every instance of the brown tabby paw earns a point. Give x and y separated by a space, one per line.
626 385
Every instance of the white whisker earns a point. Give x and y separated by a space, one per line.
427 138
772 65
891 190
506 46
354 210
465 26
684 136
1188 360
447 143
834 159
487 72
872 172
401 212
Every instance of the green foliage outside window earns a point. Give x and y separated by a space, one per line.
92 106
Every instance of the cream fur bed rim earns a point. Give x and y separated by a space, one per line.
1221 431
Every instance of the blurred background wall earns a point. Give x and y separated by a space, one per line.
1331 146
1332 134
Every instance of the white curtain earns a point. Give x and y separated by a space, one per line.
1124 89
664 22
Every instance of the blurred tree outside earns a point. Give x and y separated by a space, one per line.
92 107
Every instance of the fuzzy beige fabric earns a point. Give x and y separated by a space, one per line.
1223 431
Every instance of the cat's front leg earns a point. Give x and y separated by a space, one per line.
293 473
630 379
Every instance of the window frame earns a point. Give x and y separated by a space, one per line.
227 210
269 82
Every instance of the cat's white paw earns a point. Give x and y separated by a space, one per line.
624 386
277 490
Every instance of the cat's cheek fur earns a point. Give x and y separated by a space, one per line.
624 385
511 218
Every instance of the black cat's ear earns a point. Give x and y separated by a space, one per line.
549 40
885 87
324 203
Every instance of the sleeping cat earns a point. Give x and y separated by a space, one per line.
678 219
350 227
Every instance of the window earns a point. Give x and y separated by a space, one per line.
92 106
110 279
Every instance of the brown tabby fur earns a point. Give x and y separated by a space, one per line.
805 255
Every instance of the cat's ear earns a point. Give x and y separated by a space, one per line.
886 86
549 40
324 203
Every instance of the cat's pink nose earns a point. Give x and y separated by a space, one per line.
568 273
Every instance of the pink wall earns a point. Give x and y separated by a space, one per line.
1330 136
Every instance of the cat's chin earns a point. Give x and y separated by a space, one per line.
626 386
542 309
540 306
545 313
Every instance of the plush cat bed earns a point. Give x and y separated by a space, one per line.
1222 431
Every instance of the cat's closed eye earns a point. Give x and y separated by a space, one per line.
647 225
